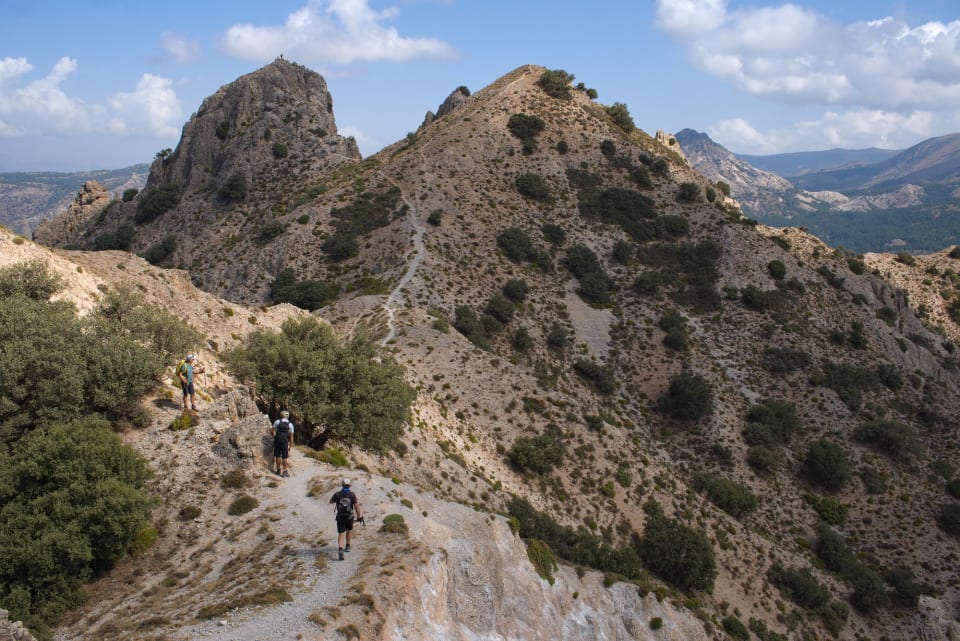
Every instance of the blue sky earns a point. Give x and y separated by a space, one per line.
90 84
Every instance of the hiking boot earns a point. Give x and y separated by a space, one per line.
347 549
286 473
340 553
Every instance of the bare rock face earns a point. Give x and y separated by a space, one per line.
265 115
13 630
90 201
935 622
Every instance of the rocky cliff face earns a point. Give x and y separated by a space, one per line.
283 110
68 227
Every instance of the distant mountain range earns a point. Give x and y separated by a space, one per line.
908 201
27 198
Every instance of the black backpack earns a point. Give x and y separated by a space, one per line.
283 429
345 505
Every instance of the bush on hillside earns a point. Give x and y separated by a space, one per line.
688 192
620 115
556 83
121 238
234 189
799 585
53 537
160 251
467 323
600 377
526 128
689 397
677 553
771 422
32 279
305 294
553 233
537 454
557 337
949 518
349 391
516 290
730 496
156 202
368 211
777 269
675 325
897 440
501 308
827 465
533 186
783 360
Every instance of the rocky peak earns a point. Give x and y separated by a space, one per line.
281 109
90 201
459 97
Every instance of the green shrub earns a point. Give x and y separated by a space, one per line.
537 454
777 269
887 315
501 308
873 480
32 279
688 192
856 266
533 186
906 591
526 128
129 194
848 381
553 233
782 360
731 497
600 377
679 554
521 341
350 391
121 238
305 294
242 505
234 479
829 510
467 323
949 518
435 217
953 488
562 147
906 258
581 260
368 211
826 465
516 290
896 440
771 423
223 128
53 537
394 524
762 459
557 337
556 83
834 551
142 541
656 623
622 252
189 512
869 591
596 288
234 189
620 115
542 559
515 244
689 397
158 252
735 628
710 193
675 325
280 150
799 585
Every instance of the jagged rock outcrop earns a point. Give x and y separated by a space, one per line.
935 620
63 230
281 109
459 97
13 630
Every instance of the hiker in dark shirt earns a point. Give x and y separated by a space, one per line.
282 432
347 509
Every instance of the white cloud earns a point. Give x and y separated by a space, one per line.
41 107
182 50
343 32
796 55
855 129
152 108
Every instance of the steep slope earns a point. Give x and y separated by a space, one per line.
649 324
805 162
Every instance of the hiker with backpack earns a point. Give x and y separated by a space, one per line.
185 372
347 508
282 432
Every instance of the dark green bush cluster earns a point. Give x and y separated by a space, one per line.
801 587
537 454
771 423
269 231
850 381
30 279
553 233
735 628
467 323
953 488
575 546
949 518
690 268
526 128
280 150
368 211
827 465
855 338
689 397
893 438
517 245
72 500
620 116
435 217
622 252
830 510
305 294
129 194
675 325
556 83
777 269
350 391
557 337
596 286
516 290
159 252
760 300
782 360
629 209
235 189
730 496
121 238
223 128
542 559
688 192
533 186
600 377
677 553
831 277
